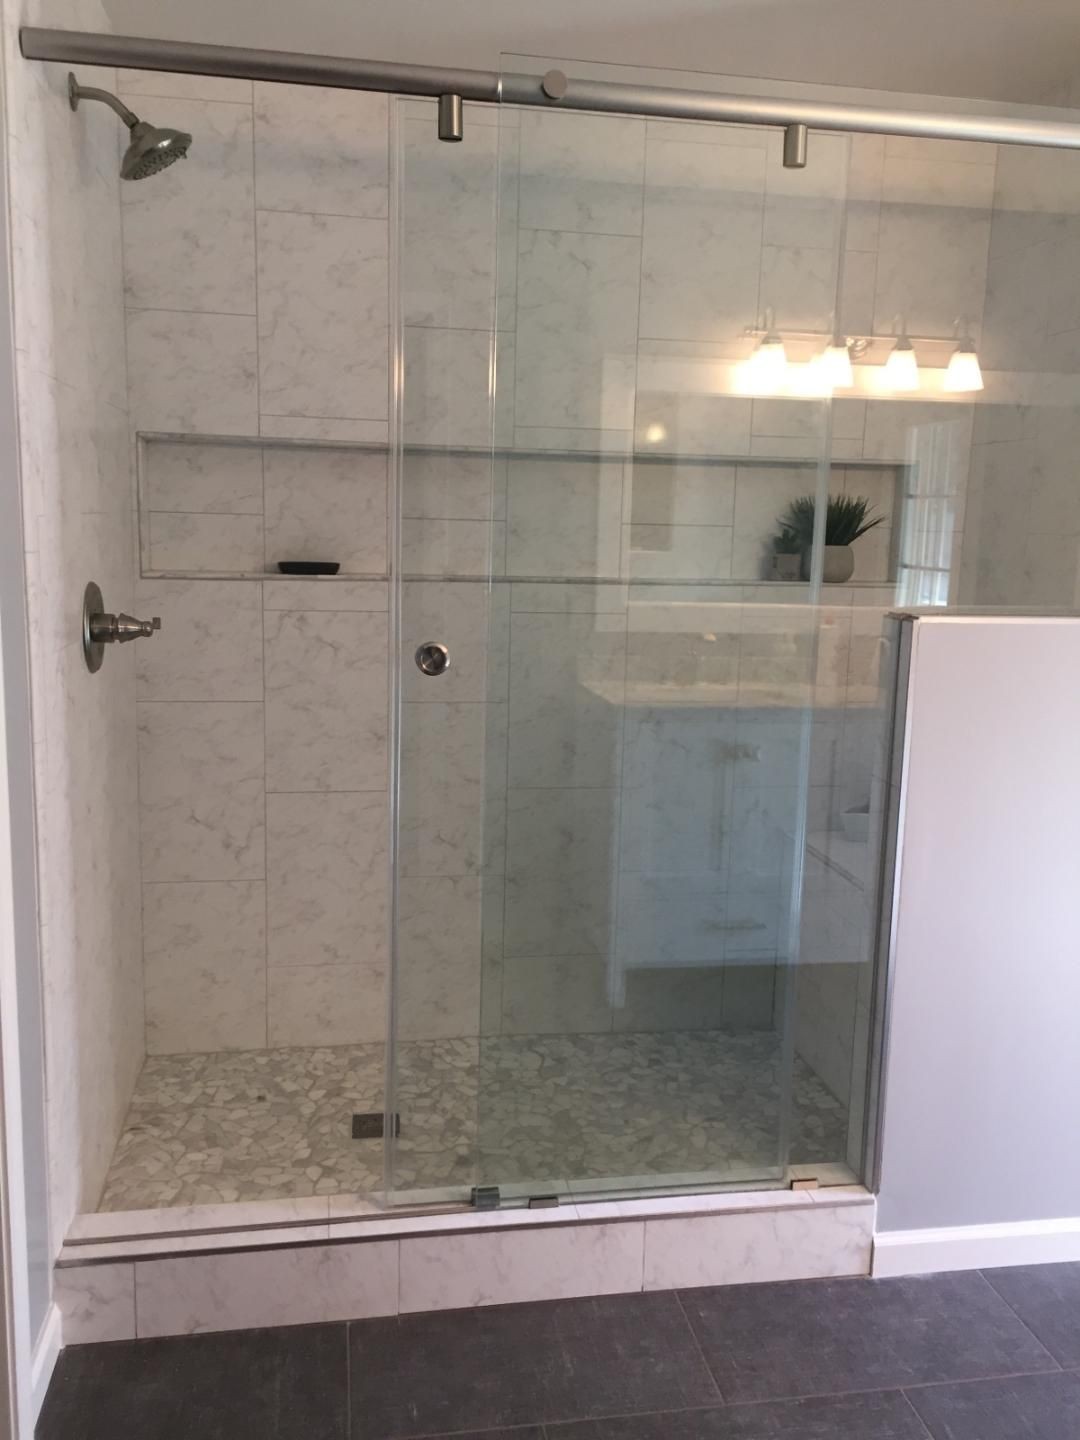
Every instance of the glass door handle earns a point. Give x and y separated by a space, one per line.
432 658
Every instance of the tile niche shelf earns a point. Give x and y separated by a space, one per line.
232 507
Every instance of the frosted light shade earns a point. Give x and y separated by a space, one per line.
963 372
836 365
901 368
766 370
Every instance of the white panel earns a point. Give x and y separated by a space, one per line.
984 1068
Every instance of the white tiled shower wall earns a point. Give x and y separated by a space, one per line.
78 525
257 307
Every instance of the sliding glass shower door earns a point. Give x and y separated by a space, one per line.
607 664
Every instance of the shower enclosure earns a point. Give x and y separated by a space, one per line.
603 800
540 852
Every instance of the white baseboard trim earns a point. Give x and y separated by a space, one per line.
46 1353
976 1247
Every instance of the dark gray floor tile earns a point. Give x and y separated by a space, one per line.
523 1364
288 1384
1029 1407
517 1432
824 1337
884 1415
1047 1299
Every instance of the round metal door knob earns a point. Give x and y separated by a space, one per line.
432 658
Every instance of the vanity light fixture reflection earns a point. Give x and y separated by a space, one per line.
766 370
656 433
835 361
901 368
963 372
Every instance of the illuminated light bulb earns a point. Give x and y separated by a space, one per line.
764 373
901 368
655 433
835 362
811 380
963 372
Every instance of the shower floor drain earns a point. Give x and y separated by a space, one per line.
371 1125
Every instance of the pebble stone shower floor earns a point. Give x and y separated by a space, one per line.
277 1124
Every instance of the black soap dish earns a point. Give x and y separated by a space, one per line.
309 567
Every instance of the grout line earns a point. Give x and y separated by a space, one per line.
697 1343
347 1327
981 1379
307 212
176 310
1012 1308
918 1418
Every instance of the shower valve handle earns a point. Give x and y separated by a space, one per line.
106 628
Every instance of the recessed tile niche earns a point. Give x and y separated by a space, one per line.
218 506
227 507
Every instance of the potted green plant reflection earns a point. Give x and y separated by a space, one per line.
847 517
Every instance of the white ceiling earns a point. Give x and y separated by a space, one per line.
1013 50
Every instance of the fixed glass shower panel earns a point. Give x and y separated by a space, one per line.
603 782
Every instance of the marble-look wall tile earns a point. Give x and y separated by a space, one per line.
566 693
325 504
204 952
203 479
560 995
201 791
333 429
96 1302
560 848
564 517
192 1294
799 284
323 315
934 241
450 387
326 1004
474 624
327 878
677 766
321 151
676 493
192 372
189 244
326 700
210 644
453 547
581 173
785 1244
694 424
453 487
807 207
438 976
576 329
206 544
449 244
704 210
450 1272
678 552
171 85
452 803
689 649
325 593
673 997
893 428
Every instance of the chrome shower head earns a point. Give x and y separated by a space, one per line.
152 147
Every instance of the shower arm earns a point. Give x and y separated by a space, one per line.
77 92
